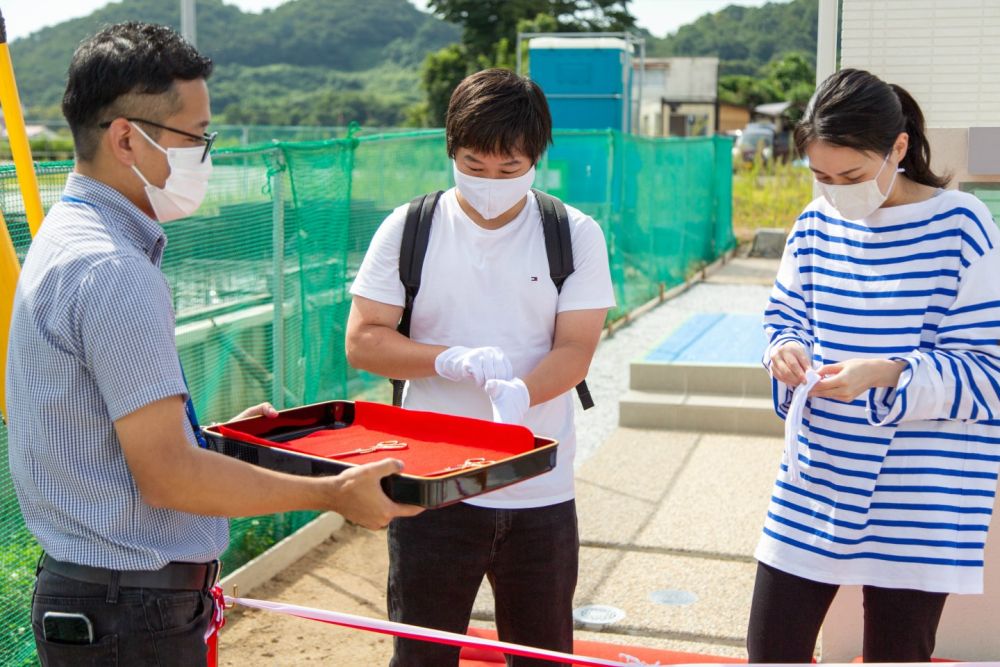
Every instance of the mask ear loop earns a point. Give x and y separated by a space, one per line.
150 140
161 148
143 178
899 170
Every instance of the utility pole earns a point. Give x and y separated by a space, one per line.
189 22
826 39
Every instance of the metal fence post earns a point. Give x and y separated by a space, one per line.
278 267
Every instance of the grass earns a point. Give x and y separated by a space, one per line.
769 196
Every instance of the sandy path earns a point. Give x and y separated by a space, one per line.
346 573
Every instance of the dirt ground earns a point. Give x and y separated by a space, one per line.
347 573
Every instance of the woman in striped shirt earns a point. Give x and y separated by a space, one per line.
885 317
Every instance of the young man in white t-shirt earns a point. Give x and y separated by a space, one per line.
490 337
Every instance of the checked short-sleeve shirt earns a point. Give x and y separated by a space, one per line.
92 340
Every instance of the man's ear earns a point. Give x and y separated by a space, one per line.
118 140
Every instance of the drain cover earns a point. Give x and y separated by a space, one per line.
673 597
597 615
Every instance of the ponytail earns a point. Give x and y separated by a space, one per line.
917 161
856 109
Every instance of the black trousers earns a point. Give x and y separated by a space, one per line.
132 626
787 612
437 561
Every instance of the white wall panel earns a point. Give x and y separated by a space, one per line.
945 52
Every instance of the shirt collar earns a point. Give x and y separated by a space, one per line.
141 231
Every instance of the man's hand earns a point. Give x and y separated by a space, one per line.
478 364
172 474
510 399
259 410
849 379
789 363
357 495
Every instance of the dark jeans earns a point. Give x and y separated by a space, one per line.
132 626
437 561
787 612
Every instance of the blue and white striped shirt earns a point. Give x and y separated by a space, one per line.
92 340
896 487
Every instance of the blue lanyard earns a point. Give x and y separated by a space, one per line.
193 416
189 405
77 200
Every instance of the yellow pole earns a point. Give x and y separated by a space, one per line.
20 149
9 270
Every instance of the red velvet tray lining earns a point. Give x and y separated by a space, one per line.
434 441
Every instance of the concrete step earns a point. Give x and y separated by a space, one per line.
693 378
720 413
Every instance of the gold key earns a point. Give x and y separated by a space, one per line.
468 464
385 445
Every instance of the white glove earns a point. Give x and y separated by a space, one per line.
510 400
473 363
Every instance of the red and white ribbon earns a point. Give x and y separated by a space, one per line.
426 634
215 624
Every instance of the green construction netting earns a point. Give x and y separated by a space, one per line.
260 276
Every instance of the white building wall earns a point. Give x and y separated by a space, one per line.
946 53
679 80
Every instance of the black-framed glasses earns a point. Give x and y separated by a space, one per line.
208 138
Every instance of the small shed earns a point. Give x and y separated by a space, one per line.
588 80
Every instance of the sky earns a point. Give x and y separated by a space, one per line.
660 17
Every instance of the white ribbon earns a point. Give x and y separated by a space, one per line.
426 634
455 639
793 423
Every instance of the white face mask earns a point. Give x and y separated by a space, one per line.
186 185
492 197
856 201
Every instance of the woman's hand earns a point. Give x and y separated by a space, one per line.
789 363
847 380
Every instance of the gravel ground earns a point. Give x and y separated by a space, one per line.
609 373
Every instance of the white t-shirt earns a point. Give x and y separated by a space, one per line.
484 287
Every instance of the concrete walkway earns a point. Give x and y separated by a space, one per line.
668 523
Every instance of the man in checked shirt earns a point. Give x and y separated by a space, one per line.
130 512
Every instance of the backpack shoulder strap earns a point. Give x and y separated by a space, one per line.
559 248
558 242
416 234
413 248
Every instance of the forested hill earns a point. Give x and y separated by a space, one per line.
369 50
328 62
745 38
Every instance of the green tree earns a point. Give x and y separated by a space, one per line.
441 72
744 38
269 64
788 71
795 79
788 78
485 22
747 91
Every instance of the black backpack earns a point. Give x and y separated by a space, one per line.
417 232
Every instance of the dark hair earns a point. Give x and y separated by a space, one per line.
127 69
856 109
497 112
